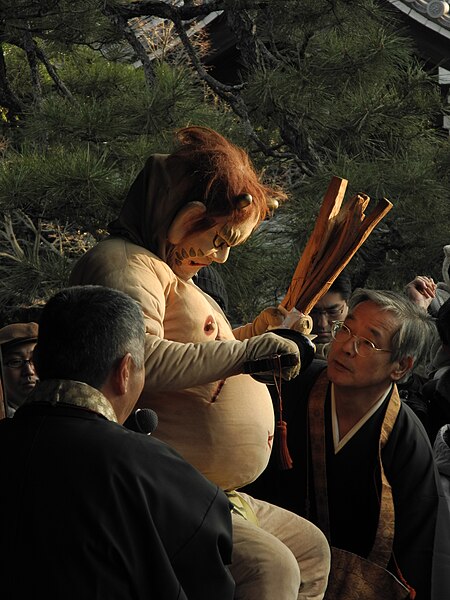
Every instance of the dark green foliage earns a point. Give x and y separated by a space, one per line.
329 88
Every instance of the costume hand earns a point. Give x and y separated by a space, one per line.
298 322
421 290
270 344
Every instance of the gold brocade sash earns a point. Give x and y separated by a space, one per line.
382 548
353 577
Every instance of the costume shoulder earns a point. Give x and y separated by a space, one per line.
120 264
115 259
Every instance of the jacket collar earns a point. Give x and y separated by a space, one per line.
75 393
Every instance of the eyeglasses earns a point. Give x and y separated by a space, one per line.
364 347
19 363
332 313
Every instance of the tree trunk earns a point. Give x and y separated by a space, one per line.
7 97
30 50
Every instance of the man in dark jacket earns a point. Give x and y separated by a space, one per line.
91 509
340 409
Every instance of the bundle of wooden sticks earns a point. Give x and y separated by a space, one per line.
339 231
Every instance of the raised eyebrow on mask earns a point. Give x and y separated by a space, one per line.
219 241
232 241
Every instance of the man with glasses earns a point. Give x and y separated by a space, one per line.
331 307
340 406
17 342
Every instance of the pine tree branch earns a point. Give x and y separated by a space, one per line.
257 55
220 88
130 35
34 52
61 87
29 47
165 10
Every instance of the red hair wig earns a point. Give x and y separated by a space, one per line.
222 173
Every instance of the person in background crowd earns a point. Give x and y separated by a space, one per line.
421 291
441 449
333 306
442 293
17 342
436 390
94 510
439 357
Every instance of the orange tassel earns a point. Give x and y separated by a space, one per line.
284 458
280 442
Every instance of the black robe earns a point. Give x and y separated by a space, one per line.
93 511
353 482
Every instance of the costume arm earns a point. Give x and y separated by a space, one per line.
174 366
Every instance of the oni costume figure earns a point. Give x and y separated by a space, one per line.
185 211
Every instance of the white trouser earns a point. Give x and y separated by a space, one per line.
284 557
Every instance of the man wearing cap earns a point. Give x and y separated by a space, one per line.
17 342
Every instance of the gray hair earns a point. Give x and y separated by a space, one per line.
84 331
416 329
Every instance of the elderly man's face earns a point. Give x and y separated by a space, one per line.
19 373
201 248
375 371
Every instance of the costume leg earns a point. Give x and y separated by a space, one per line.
262 566
285 557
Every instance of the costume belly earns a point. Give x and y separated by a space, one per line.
226 435
228 438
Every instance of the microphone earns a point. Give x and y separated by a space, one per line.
142 420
